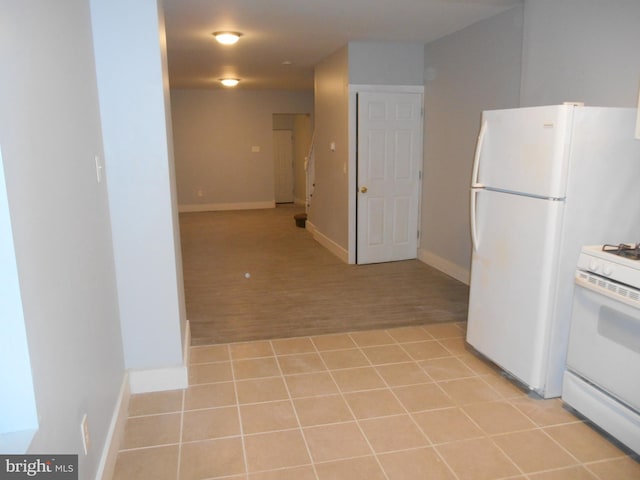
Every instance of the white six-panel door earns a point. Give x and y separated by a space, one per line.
388 178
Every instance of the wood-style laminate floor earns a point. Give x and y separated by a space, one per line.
253 275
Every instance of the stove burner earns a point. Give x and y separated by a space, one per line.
631 252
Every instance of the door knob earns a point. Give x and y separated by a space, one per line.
363 189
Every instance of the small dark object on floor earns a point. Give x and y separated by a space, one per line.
301 219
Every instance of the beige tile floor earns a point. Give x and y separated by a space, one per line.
397 404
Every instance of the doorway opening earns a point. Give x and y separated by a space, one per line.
291 142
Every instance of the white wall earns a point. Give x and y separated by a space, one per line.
50 132
581 50
469 71
214 132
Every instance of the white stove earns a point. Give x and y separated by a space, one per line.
602 377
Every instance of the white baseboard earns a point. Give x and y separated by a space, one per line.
160 379
214 207
461 274
107 464
327 243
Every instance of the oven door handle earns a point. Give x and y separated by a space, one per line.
617 292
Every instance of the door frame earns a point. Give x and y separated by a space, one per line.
353 156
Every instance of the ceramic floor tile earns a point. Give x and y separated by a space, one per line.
301 363
351 358
373 403
393 433
211 458
402 374
210 373
261 390
544 412
266 417
457 346
369 338
255 368
322 410
362 468
269 451
584 442
159 463
246 350
446 368
353 379
570 473
333 342
311 384
295 473
477 459
446 425
296 399
617 469
409 334
444 330
415 464
386 354
469 390
337 441
210 423
425 350
498 417
534 451
152 430
210 395
288 346
155 402
209 354
427 396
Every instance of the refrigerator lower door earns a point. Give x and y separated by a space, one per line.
512 282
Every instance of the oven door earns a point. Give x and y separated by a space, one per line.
604 345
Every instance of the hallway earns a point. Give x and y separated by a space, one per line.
294 286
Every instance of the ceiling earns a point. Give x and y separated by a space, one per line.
300 32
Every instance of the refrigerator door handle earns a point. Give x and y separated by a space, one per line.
476 158
472 209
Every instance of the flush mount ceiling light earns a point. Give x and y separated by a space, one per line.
229 82
227 38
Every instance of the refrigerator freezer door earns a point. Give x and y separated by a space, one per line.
526 150
512 282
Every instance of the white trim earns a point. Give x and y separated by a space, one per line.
461 274
107 464
161 379
158 379
327 243
213 207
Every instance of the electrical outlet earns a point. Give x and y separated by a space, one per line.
84 429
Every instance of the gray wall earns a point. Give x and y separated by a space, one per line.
214 132
329 206
469 71
550 52
386 63
581 50
50 133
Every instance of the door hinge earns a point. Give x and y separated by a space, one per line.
420 175
418 236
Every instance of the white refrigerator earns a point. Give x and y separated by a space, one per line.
545 182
